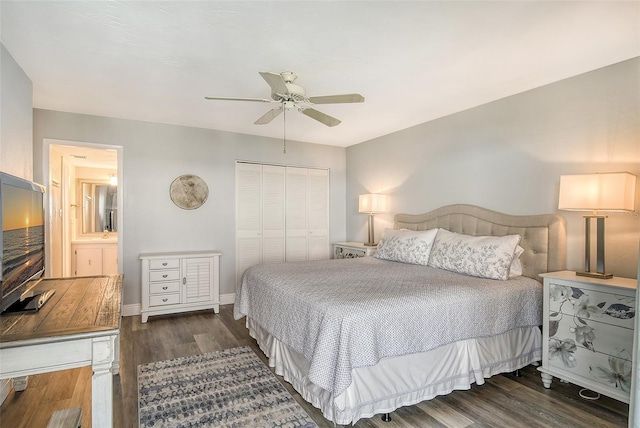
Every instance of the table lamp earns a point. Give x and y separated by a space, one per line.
371 204
611 191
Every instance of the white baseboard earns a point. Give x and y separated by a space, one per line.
5 389
131 310
227 299
136 308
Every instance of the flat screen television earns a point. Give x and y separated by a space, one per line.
23 243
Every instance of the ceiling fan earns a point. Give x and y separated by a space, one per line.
290 96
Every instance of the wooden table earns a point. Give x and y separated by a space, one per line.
79 326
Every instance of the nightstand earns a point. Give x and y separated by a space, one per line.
352 250
587 332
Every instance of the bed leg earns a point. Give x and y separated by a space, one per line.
386 417
517 373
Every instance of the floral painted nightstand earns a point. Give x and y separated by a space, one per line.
587 332
352 250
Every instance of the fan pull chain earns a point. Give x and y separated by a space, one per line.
284 132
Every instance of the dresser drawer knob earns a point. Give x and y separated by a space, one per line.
165 263
165 275
165 299
165 287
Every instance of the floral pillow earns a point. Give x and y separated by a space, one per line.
481 256
406 246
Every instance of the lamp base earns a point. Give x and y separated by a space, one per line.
595 275
370 244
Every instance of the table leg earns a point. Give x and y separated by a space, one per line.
20 383
102 381
546 380
115 367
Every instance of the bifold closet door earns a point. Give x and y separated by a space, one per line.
296 214
273 204
318 209
282 214
248 217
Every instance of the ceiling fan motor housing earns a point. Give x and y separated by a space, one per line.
294 93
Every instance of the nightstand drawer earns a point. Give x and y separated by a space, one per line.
164 275
164 264
164 299
587 303
164 287
594 336
595 368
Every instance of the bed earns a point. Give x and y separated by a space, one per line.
359 337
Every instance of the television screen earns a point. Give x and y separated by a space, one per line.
23 236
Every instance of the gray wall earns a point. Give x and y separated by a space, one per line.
155 154
508 156
16 123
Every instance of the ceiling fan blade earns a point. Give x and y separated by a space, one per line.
276 82
337 99
320 117
268 116
261 100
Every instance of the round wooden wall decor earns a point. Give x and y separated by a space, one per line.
189 192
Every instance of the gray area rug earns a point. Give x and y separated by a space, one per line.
230 388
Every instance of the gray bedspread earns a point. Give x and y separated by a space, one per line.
349 313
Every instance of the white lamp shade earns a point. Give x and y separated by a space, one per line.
372 203
613 191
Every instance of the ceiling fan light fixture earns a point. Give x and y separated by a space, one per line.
291 96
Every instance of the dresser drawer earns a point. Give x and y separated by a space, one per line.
164 299
164 275
164 287
164 264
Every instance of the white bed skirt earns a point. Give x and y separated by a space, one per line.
406 380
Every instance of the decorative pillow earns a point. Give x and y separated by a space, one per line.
406 246
516 264
481 256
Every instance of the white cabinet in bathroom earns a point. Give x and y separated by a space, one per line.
91 258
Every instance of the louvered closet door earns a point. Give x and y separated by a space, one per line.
296 214
273 204
318 214
248 217
197 277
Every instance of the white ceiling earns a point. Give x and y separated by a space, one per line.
412 61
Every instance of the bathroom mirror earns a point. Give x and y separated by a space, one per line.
99 207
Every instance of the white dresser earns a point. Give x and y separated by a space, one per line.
588 331
352 250
180 282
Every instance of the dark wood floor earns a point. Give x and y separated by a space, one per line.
503 401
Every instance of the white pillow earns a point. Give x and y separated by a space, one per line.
516 264
481 256
406 246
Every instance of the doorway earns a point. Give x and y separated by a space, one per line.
84 208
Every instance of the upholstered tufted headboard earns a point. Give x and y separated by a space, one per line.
543 236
